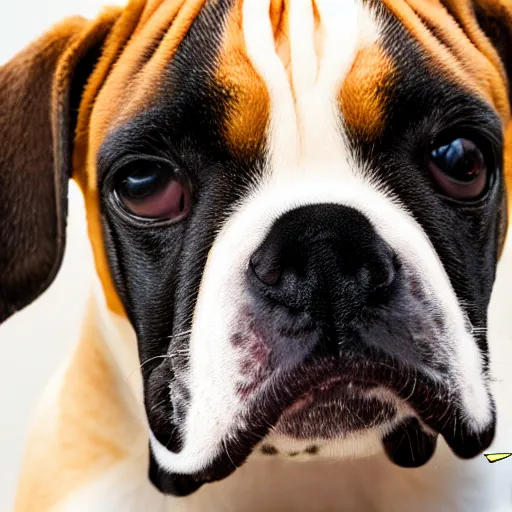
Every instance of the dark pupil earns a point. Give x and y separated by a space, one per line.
141 183
461 160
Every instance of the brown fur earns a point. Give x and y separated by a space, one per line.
361 96
451 51
249 110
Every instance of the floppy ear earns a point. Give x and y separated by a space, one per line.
40 92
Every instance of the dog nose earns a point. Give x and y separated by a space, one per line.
323 253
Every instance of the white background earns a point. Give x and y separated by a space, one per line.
33 342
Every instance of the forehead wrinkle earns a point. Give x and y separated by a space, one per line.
413 13
436 51
264 57
476 64
303 51
84 138
149 11
464 13
178 17
321 41
154 23
248 101
325 38
110 108
279 14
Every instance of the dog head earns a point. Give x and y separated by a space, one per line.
299 206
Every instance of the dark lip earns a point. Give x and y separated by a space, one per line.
432 400
337 408
317 392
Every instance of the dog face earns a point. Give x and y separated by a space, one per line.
300 207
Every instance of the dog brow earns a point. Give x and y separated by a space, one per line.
456 46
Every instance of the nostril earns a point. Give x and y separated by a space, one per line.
266 269
384 274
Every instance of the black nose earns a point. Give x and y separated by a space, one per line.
323 257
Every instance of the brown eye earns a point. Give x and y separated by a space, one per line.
459 169
154 191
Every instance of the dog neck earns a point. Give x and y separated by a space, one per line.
119 342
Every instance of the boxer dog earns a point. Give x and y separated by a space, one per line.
296 209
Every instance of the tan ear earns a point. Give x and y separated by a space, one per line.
40 92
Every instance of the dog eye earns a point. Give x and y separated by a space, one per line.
459 170
154 190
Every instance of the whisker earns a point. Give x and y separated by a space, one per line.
159 403
165 356
227 453
180 334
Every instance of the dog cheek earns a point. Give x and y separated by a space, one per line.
159 408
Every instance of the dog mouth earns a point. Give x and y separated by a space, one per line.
332 390
336 408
